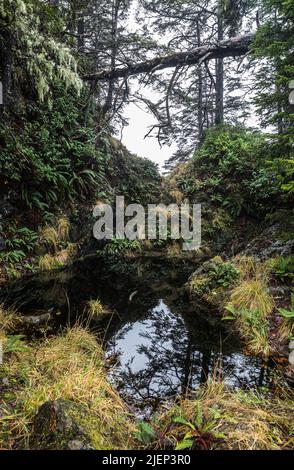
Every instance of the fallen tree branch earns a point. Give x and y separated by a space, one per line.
234 47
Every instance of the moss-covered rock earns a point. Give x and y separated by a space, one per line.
57 426
66 425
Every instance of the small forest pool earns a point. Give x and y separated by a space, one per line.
156 343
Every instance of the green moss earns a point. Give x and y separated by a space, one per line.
99 437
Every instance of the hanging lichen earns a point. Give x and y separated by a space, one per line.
45 60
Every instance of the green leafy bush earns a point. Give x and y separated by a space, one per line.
223 274
119 246
230 171
48 157
200 432
284 267
146 434
212 280
15 344
287 326
20 238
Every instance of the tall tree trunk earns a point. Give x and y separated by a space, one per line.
7 71
81 33
280 123
109 100
219 81
200 90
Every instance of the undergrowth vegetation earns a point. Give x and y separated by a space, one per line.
68 367
59 159
239 290
239 181
217 418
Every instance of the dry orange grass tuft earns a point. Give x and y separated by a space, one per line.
246 421
71 367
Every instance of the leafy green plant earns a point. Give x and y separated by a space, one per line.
146 434
214 277
14 344
20 238
84 182
119 246
287 326
31 267
288 313
284 267
11 257
34 200
231 313
200 432
224 274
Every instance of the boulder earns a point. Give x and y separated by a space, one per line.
40 318
57 426
269 244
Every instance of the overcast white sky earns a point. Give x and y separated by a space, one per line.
133 136
140 120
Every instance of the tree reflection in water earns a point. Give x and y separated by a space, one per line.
165 354
163 345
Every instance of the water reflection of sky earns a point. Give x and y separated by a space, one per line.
159 357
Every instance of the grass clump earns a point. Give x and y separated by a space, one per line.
9 320
173 250
70 367
49 236
250 305
252 295
250 268
60 250
219 418
63 228
50 261
53 236
254 330
96 309
10 323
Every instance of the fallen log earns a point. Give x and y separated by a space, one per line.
233 47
